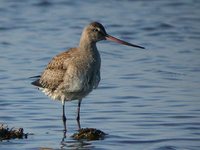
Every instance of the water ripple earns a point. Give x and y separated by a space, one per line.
147 99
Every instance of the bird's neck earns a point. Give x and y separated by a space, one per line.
87 45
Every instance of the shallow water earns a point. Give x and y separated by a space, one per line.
147 99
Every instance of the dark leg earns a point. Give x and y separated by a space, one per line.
78 114
64 117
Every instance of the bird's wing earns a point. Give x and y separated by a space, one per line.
54 72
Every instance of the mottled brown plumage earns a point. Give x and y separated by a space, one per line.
73 74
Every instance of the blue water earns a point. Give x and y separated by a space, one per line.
147 99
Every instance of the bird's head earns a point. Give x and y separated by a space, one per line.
95 32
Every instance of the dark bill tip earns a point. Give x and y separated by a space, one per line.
114 39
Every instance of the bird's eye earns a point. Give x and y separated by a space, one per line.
95 30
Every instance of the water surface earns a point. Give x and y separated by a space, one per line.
147 99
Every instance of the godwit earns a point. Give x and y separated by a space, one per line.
73 74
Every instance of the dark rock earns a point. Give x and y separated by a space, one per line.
89 134
6 133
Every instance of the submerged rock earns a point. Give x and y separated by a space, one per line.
6 133
89 134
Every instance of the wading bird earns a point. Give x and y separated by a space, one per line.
73 74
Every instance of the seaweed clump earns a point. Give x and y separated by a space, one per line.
89 134
7 134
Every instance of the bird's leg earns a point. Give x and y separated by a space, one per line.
78 114
63 116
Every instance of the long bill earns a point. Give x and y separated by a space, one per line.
114 39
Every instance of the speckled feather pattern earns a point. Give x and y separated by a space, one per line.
71 75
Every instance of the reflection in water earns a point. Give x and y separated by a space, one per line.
82 137
76 144
68 142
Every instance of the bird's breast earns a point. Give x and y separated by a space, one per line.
81 74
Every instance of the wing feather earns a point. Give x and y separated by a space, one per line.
55 70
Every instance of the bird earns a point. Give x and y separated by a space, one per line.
73 74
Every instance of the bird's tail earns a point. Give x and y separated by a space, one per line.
37 81
33 77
